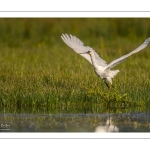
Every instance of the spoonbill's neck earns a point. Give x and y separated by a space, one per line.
93 59
99 70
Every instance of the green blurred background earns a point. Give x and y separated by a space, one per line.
31 31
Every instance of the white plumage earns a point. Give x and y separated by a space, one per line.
101 68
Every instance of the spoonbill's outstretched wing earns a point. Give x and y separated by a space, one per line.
78 47
119 60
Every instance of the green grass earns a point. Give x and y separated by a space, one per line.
40 73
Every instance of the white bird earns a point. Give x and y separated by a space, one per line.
101 68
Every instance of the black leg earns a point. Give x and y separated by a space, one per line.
106 83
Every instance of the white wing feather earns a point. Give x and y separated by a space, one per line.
119 60
78 46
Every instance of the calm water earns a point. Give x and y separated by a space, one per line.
125 122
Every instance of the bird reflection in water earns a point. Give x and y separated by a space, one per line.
108 127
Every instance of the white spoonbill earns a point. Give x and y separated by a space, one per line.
101 68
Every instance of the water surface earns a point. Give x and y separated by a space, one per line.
124 122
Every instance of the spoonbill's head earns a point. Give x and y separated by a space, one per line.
88 52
